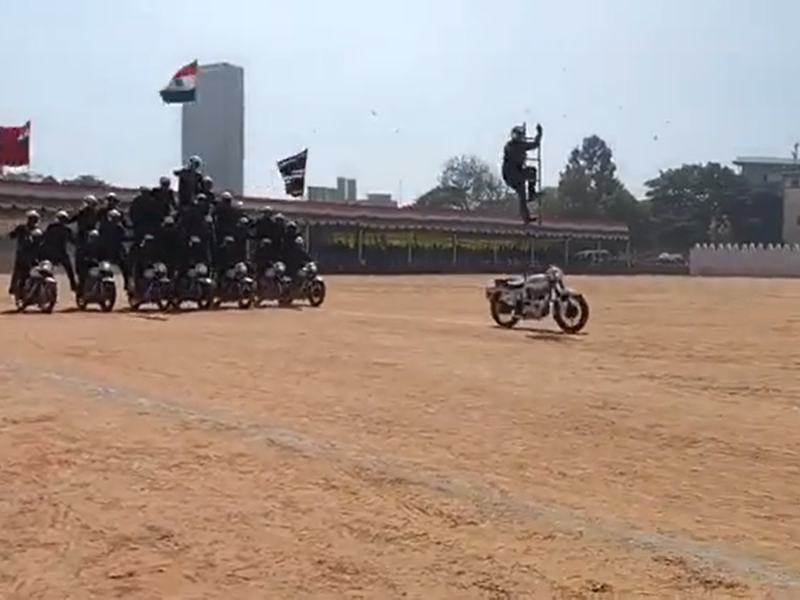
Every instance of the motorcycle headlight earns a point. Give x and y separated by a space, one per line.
201 270
46 266
311 268
555 274
280 267
241 268
105 266
160 268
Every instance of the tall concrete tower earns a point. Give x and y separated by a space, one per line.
213 126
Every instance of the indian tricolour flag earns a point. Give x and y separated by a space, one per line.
182 87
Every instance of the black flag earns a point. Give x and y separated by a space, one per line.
293 171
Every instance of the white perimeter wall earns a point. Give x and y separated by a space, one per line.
747 260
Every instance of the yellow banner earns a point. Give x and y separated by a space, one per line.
426 239
346 238
385 239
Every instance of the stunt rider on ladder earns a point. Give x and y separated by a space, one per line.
517 174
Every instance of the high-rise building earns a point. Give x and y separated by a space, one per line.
350 190
213 126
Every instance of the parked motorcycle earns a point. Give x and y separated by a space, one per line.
195 286
39 288
152 288
99 288
512 299
236 285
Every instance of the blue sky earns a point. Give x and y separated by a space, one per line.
664 82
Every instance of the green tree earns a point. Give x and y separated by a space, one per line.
589 183
466 183
588 188
553 203
699 203
442 198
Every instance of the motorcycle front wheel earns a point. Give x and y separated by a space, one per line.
571 313
206 301
48 296
316 293
246 296
162 299
108 297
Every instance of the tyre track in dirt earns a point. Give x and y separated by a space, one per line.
490 501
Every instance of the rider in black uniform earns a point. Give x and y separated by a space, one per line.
517 175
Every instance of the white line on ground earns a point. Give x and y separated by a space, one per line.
491 501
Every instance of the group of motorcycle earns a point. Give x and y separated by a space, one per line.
237 285
195 286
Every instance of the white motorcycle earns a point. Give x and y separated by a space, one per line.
513 299
39 288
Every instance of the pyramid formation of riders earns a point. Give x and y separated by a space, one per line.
196 245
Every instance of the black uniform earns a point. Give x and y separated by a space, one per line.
189 184
231 251
112 203
164 202
28 252
112 241
86 219
515 172
226 217
192 220
170 248
266 227
196 251
265 254
143 253
145 214
296 256
92 252
57 237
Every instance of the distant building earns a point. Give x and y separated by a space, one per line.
350 190
766 173
213 126
323 194
345 191
379 199
791 207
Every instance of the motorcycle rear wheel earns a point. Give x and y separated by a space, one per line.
502 314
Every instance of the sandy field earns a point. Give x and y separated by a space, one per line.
394 444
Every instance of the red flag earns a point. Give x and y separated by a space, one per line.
15 146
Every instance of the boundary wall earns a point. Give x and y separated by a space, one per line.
745 260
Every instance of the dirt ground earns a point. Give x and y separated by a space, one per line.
394 444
